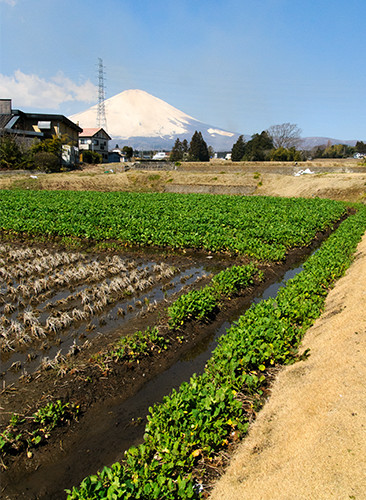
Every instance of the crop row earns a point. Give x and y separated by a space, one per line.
194 305
24 433
73 267
22 254
29 262
195 422
261 227
199 304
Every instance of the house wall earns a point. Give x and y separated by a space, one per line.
98 143
5 106
57 128
23 133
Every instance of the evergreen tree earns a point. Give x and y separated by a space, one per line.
285 154
185 147
194 147
360 147
92 157
204 154
198 150
338 151
238 149
53 146
10 153
259 147
176 153
128 151
47 154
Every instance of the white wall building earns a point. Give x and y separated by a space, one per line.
95 139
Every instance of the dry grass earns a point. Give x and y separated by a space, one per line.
274 178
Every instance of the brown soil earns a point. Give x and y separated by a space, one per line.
309 441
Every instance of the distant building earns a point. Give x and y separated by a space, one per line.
161 155
95 139
26 127
117 156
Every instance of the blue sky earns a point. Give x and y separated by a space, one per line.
242 65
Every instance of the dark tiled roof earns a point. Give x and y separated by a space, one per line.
51 117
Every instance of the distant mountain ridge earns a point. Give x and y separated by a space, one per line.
309 143
138 119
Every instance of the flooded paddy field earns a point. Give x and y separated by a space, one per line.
53 304
59 308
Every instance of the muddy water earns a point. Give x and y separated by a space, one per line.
29 358
108 430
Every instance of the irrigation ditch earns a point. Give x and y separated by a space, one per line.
114 404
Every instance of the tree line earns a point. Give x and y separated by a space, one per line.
196 150
338 150
281 143
277 143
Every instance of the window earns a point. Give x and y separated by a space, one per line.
44 125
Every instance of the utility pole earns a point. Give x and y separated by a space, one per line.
101 116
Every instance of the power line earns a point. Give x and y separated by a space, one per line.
101 115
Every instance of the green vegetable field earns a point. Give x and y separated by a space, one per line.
258 226
192 425
195 422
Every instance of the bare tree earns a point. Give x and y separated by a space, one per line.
285 135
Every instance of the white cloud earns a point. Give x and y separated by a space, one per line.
33 91
9 2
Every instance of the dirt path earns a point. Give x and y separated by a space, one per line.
309 441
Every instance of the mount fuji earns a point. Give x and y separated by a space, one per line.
138 119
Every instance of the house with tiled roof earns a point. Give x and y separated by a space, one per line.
36 125
95 139
26 127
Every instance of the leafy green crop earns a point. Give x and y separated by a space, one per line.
52 414
195 305
261 227
230 281
199 304
140 344
196 421
21 434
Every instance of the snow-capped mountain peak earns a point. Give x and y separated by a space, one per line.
142 120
